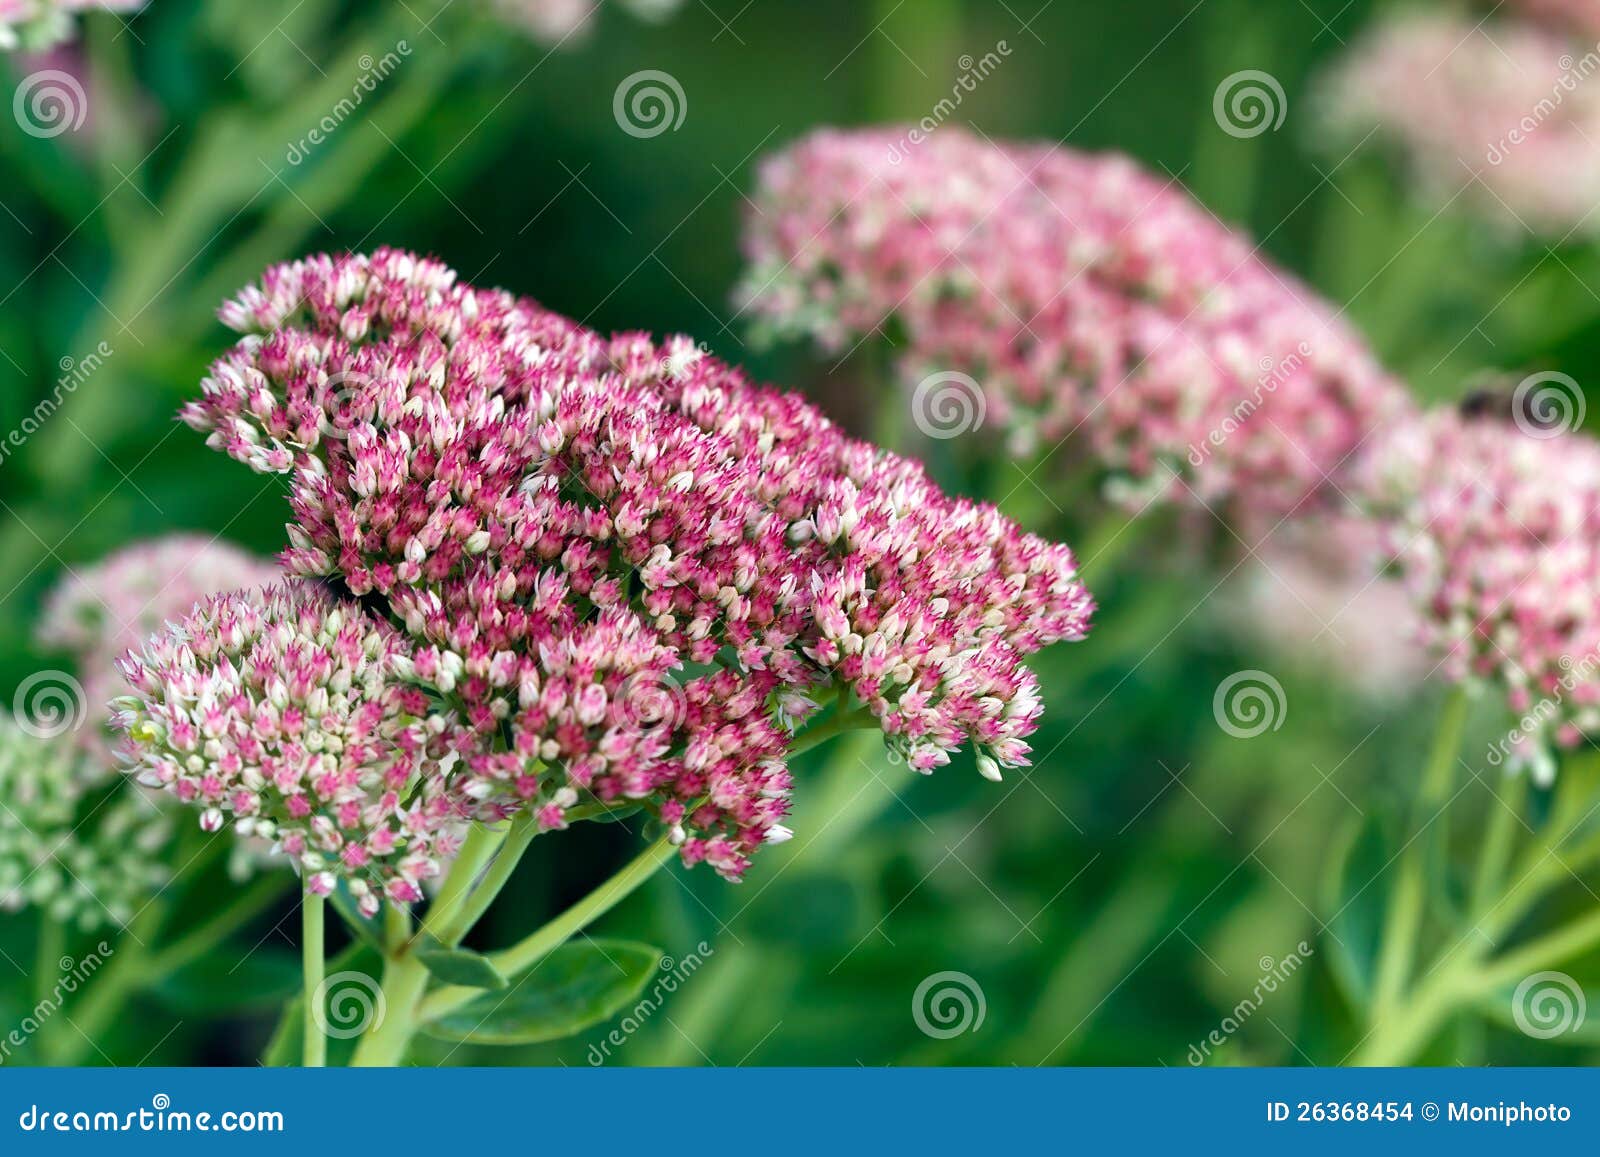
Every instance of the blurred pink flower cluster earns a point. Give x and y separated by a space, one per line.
1494 529
1094 303
624 569
98 612
1503 114
1582 16
34 25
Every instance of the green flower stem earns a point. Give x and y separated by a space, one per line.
477 850
838 723
1407 1029
1505 816
515 843
1552 948
524 955
313 911
1403 923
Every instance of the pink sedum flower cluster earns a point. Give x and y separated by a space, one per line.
98 612
1094 302
293 714
35 25
1495 532
627 567
1500 113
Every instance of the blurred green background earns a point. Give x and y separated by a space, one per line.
1113 904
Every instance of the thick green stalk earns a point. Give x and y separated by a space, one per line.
1403 922
515 843
312 917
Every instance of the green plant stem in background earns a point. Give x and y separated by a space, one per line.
312 914
262 894
1403 920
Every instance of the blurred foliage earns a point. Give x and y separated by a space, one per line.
1115 902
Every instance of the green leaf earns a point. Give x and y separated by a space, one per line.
460 966
578 985
263 979
1357 891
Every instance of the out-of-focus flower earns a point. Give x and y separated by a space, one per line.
99 612
622 556
1582 16
1503 113
1495 532
1096 304
35 25
82 848
1314 594
291 713
558 21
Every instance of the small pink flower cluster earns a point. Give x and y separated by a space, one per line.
1502 113
293 714
1495 532
627 565
35 25
1581 16
1093 301
99 612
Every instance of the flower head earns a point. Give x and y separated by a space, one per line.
79 846
291 714
1096 306
558 517
100 611
1495 112
1495 532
